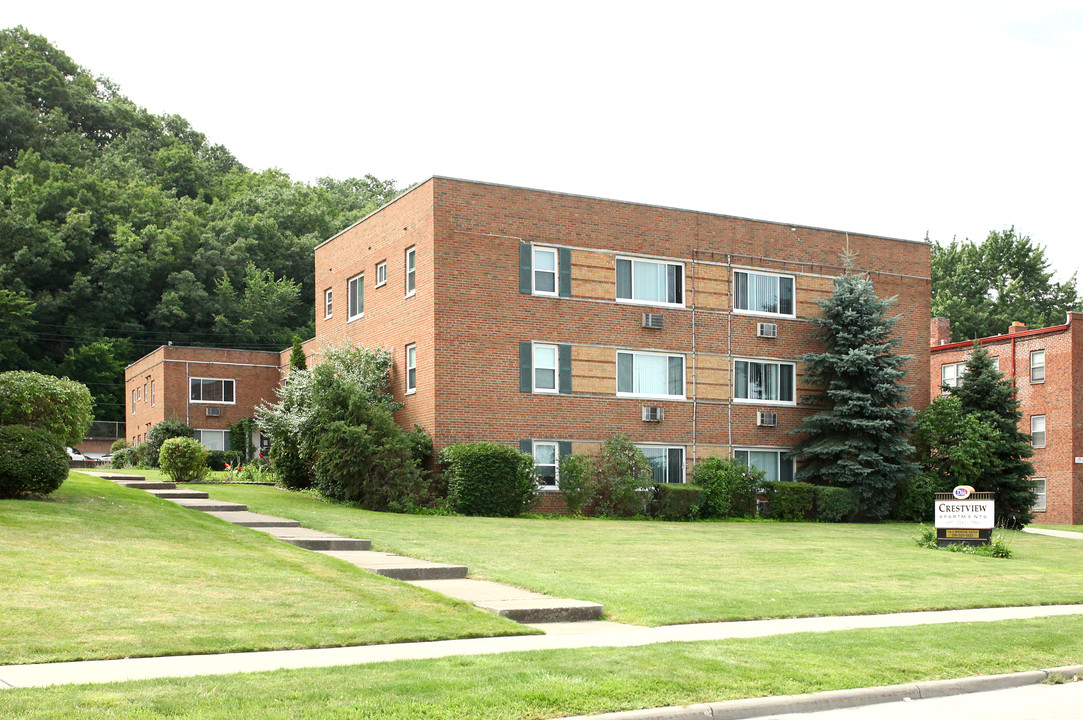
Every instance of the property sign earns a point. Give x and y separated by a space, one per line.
964 514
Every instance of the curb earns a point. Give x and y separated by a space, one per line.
838 699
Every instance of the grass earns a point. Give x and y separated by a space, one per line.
101 571
658 573
1069 528
567 682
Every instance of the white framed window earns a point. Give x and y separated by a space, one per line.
212 390
775 464
546 464
763 293
213 439
133 402
667 463
327 304
1039 494
763 381
411 369
951 374
1037 366
411 271
641 374
146 395
381 273
650 282
153 395
1037 431
545 368
545 271
355 298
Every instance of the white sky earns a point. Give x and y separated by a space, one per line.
952 118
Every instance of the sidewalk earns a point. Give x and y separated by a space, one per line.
570 636
1054 533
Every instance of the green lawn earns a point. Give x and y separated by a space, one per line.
571 682
101 571
662 573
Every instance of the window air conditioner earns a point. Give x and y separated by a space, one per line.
767 330
766 419
656 321
214 412
653 414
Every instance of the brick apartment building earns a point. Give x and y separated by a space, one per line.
551 321
1040 364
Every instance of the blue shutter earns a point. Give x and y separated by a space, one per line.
527 446
565 447
526 267
565 263
565 352
526 367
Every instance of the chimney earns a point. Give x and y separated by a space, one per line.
1016 327
939 331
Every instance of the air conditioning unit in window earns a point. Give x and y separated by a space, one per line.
656 321
766 419
214 412
653 414
768 330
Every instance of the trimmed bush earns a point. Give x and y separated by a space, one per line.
183 459
59 406
729 487
574 481
914 499
836 504
31 462
124 457
622 478
293 471
117 445
789 501
161 432
677 501
489 479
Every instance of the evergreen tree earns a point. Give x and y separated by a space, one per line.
857 439
984 393
297 355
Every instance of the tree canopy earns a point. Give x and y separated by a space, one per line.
983 287
121 230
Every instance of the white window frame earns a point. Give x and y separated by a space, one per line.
133 402
778 291
1034 433
327 303
199 432
775 451
411 368
353 313
146 395
411 271
778 388
153 395
1040 491
665 454
1033 366
535 444
635 301
535 366
381 274
958 368
201 401
668 356
534 271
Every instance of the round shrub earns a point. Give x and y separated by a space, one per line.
836 504
789 501
486 478
59 406
183 459
121 444
124 457
729 487
160 433
31 462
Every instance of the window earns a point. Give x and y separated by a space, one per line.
1037 366
650 375
650 281
545 271
775 464
133 402
213 439
545 368
546 464
951 374
211 390
411 272
327 303
381 274
1039 494
355 298
1037 431
153 395
763 381
146 395
763 293
667 463
138 393
411 369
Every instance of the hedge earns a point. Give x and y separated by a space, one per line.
485 478
31 462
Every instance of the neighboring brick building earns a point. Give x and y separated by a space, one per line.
208 388
1041 366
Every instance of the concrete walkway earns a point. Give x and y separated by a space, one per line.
1054 533
574 635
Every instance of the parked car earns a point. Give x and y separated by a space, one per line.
74 454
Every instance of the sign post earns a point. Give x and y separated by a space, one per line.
964 517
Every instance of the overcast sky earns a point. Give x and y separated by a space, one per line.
900 119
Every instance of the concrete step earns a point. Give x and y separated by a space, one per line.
147 485
331 543
118 477
209 505
248 519
399 567
177 494
514 603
